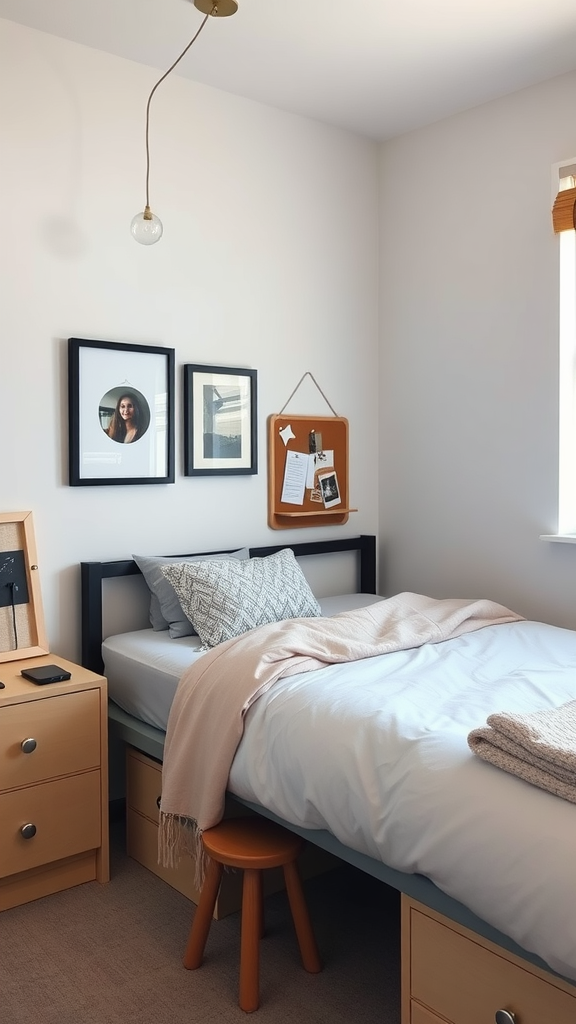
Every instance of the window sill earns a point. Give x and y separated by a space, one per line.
559 538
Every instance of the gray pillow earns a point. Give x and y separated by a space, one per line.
225 598
165 610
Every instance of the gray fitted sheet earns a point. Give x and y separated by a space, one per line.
143 667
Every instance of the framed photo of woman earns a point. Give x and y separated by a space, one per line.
121 413
219 420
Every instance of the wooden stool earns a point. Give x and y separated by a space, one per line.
252 844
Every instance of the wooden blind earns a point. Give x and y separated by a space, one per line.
564 210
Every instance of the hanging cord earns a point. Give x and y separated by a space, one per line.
14 586
308 374
14 627
159 82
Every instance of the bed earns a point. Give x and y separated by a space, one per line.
476 877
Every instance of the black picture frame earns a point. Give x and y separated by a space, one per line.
220 420
106 381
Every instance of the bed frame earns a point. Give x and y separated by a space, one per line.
94 573
150 741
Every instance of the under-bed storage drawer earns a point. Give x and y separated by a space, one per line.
144 784
143 790
465 979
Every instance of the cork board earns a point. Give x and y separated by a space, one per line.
22 631
307 471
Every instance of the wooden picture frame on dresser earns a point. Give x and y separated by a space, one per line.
22 630
53 781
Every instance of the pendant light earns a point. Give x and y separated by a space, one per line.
146 227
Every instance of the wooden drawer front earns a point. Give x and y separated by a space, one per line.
67 817
142 845
144 788
66 729
420 1015
466 983
143 784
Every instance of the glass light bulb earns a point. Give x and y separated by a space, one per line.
146 227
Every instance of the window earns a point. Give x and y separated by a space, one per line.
563 216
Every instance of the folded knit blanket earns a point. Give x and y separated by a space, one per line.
539 747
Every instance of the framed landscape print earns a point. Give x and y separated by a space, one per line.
220 421
121 413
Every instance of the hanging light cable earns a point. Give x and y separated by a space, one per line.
146 227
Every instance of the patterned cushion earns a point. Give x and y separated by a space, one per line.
165 610
225 598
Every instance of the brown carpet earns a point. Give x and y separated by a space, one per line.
112 954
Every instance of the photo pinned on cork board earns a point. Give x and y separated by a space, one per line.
22 630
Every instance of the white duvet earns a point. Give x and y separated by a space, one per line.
376 752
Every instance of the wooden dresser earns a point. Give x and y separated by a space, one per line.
53 781
450 975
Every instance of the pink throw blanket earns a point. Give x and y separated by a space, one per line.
207 715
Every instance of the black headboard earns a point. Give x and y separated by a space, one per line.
93 573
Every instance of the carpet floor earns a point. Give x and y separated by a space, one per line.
112 954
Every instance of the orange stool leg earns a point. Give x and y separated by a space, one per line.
249 939
261 897
308 948
203 916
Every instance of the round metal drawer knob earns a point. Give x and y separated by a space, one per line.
28 745
28 831
505 1017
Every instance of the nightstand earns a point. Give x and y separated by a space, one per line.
53 781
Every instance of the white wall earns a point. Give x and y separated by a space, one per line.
469 284
268 260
